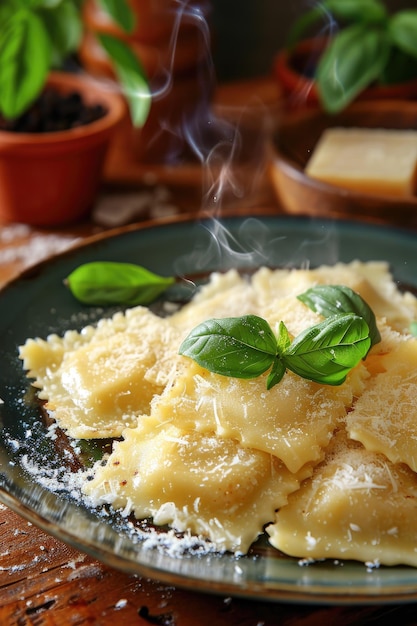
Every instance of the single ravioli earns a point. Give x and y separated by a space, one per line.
357 505
292 421
373 281
98 381
384 418
194 482
225 295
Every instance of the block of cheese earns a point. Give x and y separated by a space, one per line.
368 160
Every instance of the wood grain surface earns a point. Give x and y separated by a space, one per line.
43 582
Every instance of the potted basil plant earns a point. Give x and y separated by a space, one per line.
366 53
55 126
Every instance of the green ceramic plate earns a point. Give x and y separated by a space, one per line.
37 304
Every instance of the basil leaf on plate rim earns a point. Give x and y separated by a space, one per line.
103 283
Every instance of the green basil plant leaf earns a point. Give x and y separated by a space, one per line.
355 59
131 76
103 283
330 300
357 10
45 4
25 54
121 12
65 29
241 347
403 30
413 328
326 352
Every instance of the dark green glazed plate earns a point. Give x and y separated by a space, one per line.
37 304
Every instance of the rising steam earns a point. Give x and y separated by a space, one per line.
217 139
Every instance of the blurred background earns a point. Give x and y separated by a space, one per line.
247 33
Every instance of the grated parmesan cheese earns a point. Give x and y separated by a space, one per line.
330 471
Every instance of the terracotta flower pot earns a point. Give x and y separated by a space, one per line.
48 179
295 75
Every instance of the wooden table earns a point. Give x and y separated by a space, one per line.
44 582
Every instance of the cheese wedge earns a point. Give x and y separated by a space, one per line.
367 160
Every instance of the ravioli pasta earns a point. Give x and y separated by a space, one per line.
358 505
194 481
100 380
329 472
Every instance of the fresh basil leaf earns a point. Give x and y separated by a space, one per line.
25 56
357 10
103 283
330 300
65 29
120 12
413 328
241 347
326 352
6 10
370 11
132 77
283 338
403 31
355 59
276 374
44 4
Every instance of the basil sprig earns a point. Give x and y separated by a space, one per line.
103 283
369 45
246 347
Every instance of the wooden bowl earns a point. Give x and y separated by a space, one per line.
293 143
